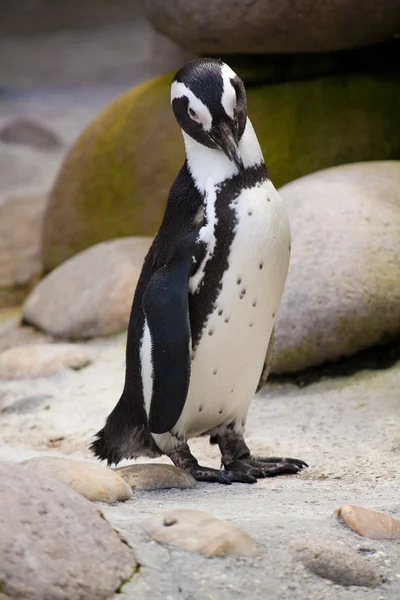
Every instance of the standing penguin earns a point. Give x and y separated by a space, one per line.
205 303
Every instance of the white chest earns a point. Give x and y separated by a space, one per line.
229 358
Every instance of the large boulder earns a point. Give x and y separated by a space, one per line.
91 293
116 178
228 26
55 544
343 289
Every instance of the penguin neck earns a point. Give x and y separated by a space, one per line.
209 167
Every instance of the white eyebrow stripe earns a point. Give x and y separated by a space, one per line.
179 89
228 99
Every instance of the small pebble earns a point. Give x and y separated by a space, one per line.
369 523
200 532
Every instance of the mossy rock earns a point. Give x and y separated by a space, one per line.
116 178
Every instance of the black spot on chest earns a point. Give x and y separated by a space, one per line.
202 302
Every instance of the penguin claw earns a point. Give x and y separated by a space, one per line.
274 459
281 470
278 466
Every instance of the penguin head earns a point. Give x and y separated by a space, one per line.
209 103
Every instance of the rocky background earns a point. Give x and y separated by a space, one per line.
88 151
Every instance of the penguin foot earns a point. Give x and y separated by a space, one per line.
266 467
236 458
184 459
217 476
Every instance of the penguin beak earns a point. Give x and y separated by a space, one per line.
224 138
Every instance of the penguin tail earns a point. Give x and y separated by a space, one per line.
125 435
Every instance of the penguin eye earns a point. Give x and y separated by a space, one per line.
192 113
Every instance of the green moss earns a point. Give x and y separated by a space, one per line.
116 178
124 581
307 126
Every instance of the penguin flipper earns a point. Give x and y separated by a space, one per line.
166 307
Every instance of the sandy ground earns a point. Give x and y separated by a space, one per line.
347 429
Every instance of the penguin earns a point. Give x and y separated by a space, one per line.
200 335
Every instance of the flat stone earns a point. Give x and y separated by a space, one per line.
41 360
154 476
29 133
290 26
54 543
198 531
342 293
91 293
338 563
21 220
94 481
369 523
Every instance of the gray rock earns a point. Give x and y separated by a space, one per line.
335 561
54 544
153 476
41 360
28 133
21 220
91 293
94 481
342 294
232 26
198 531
